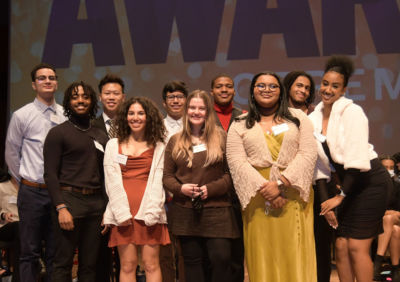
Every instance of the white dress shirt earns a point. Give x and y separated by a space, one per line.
173 126
26 133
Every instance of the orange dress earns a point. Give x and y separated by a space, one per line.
134 176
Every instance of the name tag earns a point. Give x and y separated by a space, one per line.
12 200
98 146
199 148
321 138
280 128
121 159
55 118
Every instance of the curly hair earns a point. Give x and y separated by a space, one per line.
283 109
73 89
291 77
340 64
155 129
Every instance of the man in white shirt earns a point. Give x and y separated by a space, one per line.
27 131
174 97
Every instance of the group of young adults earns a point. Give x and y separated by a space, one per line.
209 183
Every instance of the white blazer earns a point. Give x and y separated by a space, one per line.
347 137
151 209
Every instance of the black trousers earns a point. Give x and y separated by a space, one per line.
87 211
104 263
324 237
206 259
10 233
34 209
237 244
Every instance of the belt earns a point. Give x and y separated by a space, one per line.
33 184
83 191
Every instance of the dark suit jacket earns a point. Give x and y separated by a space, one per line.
99 123
235 113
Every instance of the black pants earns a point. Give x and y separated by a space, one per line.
237 244
34 209
324 236
10 233
87 211
104 263
206 259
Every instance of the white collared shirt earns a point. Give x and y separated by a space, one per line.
173 126
106 119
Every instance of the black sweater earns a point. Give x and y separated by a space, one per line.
71 157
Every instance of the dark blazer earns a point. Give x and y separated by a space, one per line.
235 113
99 123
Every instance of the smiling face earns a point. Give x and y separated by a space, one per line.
111 97
267 91
196 112
174 104
300 90
223 91
45 84
332 87
80 102
136 118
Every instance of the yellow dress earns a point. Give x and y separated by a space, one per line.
279 246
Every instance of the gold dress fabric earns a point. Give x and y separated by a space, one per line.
279 247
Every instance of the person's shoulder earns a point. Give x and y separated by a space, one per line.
60 128
24 111
100 135
297 113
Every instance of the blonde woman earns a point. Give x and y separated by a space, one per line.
195 171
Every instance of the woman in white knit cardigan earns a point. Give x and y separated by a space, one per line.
271 154
341 129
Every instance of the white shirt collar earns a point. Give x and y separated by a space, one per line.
171 122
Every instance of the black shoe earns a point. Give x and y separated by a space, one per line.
377 271
396 275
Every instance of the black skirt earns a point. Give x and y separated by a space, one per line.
361 212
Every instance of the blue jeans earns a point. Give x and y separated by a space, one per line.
34 208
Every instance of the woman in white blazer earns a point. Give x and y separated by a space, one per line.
341 128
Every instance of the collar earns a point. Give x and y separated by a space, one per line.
43 108
173 122
106 118
223 109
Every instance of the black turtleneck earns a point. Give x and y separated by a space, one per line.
71 157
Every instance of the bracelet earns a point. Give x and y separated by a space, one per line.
342 193
60 208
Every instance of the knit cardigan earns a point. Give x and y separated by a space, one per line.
347 137
247 150
151 209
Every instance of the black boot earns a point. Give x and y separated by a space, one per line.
395 273
378 267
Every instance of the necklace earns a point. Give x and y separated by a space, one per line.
81 129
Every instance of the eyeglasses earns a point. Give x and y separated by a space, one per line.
172 97
42 78
271 87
